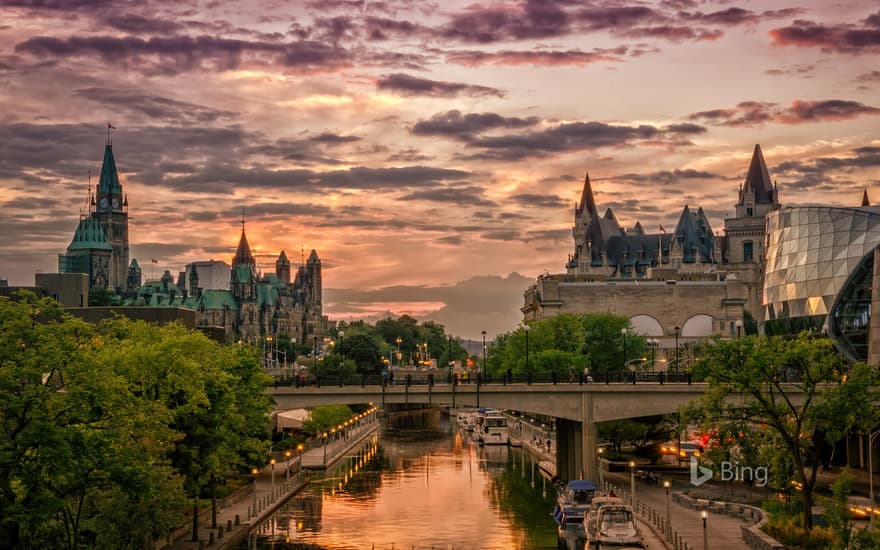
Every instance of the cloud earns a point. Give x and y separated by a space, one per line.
841 37
330 138
407 85
754 113
822 170
138 24
545 58
540 200
466 127
673 33
665 177
488 23
410 154
568 137
152 107
174 55
461 196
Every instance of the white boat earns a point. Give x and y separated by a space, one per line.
492 428
612 526
575 493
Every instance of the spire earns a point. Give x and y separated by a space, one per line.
587 200
313 258
758 180
109 180
865 201
243 254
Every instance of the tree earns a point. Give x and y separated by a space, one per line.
363 350
794 396
323 418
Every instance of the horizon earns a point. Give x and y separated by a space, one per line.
431 154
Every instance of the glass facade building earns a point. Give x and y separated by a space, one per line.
818 273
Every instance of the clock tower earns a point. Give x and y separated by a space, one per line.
111 212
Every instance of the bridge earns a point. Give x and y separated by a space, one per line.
576 407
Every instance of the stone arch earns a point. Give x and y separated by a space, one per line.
697 326
646 325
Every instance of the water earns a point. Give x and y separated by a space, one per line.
420 484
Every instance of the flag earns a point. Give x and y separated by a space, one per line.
110 126
154 260
662 230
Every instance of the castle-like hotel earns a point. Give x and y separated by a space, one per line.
246 305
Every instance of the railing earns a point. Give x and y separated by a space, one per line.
422 378
659 522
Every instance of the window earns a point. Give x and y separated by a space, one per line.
750 211
748 254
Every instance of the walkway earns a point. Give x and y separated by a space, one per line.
723 531
273 487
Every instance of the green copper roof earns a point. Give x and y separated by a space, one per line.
109 182
242 274
266 294
89 236
216 299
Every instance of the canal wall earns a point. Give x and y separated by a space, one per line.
272 487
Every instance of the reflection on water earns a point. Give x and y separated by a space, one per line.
419 485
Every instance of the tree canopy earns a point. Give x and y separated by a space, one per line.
109 429
781 402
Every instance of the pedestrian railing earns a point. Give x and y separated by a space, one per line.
659 521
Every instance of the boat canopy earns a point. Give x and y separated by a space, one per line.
581 485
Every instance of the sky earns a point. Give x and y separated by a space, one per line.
430 152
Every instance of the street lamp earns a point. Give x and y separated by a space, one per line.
526 329
449 356
601 475
483 371
324 445
704 514
299 454
668 533
272 462
632 484
739 326
287 455
623 332
255 472
315 353
677 331
269 355
871 476
341 336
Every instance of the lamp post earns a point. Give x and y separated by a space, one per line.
601 475
449 356
677 330
632 484
483 370
315 354
324 445
526 329
739 326
255 472
704 514
272 462
653 342
623 332
269 354
299 454
668 533
287 455
871 477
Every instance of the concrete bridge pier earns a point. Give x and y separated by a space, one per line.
576 444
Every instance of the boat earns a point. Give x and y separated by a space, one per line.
612 526
575 493
570 528
492 428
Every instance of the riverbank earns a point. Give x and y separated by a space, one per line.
272 487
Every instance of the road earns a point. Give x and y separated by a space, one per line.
723 531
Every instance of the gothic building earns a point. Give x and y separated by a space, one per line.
249 307
685 284
102 228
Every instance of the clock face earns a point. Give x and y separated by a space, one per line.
115 203
104 203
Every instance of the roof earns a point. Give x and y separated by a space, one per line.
282 259
587 200
243 254
581 485
242 274
217 299
758 180
109 182
313 258
89 236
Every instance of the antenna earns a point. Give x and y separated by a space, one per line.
302 254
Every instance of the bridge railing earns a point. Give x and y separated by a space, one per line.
442 377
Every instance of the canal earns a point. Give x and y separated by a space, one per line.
419 484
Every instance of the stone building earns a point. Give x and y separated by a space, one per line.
242 304
676 286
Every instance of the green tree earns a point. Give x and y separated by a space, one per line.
323 419
103 297
363 350
837 514
791 395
